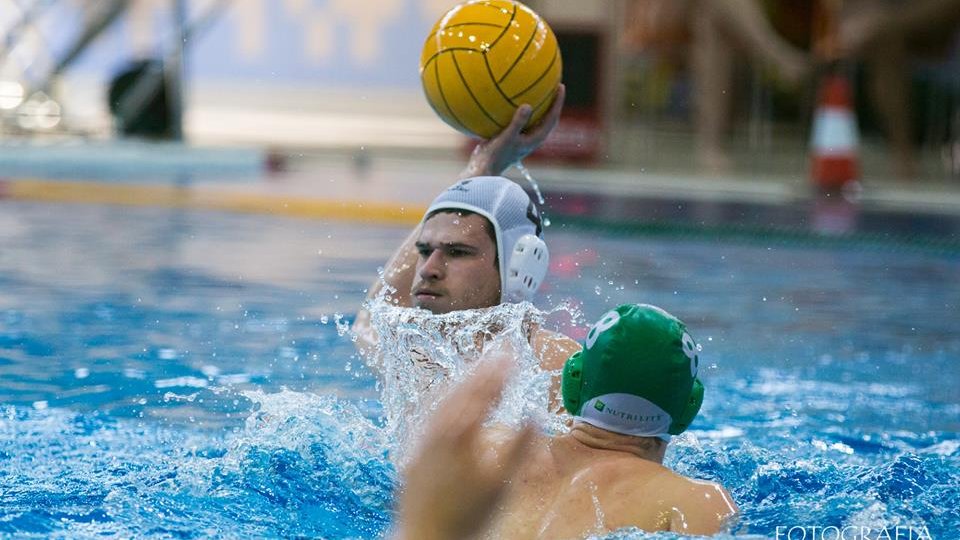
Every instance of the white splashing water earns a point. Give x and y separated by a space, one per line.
525 173
297 421
598 515
421 356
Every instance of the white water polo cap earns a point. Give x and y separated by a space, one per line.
521 251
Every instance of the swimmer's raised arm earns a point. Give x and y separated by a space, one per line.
494 156
398 275
452 486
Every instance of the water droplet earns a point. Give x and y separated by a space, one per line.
443 347
529 178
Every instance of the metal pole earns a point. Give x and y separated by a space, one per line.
176 70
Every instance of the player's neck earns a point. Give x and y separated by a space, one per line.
648 448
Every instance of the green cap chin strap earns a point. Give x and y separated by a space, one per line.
637 374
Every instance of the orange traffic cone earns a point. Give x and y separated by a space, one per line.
834 141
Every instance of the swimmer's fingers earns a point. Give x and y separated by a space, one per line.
535 137
484 392
523 143
519 121
464 411
516 451
493 156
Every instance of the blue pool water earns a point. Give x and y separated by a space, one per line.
175 374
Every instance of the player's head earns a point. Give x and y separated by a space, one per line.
480 245
636 375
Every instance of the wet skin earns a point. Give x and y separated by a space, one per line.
455 265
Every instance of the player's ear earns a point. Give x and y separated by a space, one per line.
571 383
683 421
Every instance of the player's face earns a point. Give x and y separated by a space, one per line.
455 267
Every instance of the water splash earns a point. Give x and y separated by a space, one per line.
420 356
301 466
599 517
525 173
315 453
315 466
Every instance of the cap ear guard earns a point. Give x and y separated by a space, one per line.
682 422
571 383
527 266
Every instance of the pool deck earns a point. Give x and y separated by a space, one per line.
395 188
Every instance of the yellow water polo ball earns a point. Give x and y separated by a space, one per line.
485 58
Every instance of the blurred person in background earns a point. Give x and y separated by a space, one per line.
721 29
883 34
714 31
887 35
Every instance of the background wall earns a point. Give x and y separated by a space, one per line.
258 58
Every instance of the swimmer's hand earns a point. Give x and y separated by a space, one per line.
494 156
454 482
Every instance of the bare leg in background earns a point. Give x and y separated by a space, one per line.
879 33
718 26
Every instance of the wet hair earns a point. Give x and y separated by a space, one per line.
488 227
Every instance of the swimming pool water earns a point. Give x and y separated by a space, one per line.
174 374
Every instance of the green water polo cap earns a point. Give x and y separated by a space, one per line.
636 374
